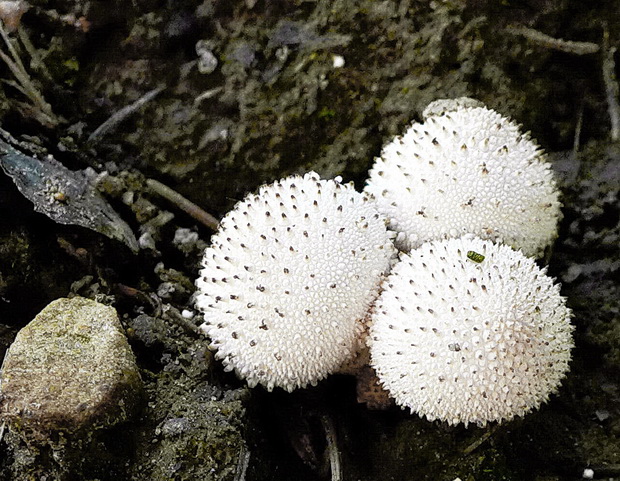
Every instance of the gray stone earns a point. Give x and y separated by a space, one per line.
69 370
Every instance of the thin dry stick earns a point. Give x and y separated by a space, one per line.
332 448
207 94
172 314
577 138
611 86
473 446
116 118
37 62
242 465
12 51
544 40
19 71
182 203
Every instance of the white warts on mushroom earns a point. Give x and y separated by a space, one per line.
468 331
466 169
290 276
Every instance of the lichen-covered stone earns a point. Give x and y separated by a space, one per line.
70 369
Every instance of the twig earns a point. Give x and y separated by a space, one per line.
577 138
172 314
37 62
13 83
544 40
332 448
485 436
19 71
207 94
611 86
182 203
2 430
12 51
242 465
116 118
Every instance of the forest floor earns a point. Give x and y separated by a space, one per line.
215 99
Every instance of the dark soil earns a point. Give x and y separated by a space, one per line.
249 94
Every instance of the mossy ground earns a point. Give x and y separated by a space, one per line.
274 105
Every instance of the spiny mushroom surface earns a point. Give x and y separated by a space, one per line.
466 169
467 331
289 279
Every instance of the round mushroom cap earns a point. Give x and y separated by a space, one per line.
467 331
466 169
289 279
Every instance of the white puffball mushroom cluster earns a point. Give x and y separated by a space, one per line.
470 331
466 170
465 328
287 284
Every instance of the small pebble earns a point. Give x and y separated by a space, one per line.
338 61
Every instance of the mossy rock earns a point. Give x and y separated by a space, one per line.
71 369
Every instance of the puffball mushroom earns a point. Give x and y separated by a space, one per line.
466 169
467 331
289 279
